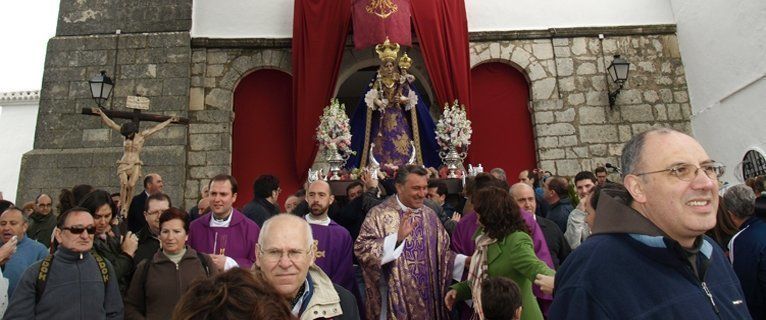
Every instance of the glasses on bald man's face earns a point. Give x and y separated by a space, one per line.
275 255
688 171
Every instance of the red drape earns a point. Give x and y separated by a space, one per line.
262 133
371 29
442 28
319 35
499 100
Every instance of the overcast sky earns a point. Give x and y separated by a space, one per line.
25 27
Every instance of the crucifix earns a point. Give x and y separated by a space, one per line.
129 166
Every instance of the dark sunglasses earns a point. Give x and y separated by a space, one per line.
79 230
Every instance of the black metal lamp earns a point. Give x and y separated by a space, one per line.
101 88
618 71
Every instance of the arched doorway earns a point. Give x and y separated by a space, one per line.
502 126
262 133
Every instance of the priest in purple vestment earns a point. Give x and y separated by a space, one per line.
404 252
224 233
334 246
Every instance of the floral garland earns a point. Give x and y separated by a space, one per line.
333 132
453 129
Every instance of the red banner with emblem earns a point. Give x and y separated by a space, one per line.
374 20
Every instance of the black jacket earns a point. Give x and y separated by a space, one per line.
136 219
260 210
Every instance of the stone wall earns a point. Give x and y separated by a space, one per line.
215 74
89 17
574 127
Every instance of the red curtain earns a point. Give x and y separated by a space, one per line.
262 135
499 98
370 29
442 29
319 35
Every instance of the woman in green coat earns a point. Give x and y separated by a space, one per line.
503 249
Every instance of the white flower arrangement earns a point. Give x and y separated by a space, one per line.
333 132
453 129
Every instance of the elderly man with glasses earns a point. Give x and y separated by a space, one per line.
648 257
73 283
285 255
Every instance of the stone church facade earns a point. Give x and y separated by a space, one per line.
155 56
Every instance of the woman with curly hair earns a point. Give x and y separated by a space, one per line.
503 249
234 294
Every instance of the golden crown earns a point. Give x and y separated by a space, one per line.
387 51
405 62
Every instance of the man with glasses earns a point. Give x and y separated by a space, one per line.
42 222
148 236
285 256
72 283
648 257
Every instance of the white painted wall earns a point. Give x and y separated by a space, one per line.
242 19
274 18
723 46
17 124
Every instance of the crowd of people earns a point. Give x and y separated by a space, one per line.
665 242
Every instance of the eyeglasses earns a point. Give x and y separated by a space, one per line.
80 230
153 213
275 255
687 171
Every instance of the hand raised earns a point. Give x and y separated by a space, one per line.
130 243
406 226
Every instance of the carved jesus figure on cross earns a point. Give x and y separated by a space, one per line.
129 167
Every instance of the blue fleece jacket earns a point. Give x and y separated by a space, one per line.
28 251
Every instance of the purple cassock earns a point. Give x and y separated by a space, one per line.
237 241
334 255
463 242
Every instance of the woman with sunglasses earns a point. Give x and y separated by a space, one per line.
159 282
117 249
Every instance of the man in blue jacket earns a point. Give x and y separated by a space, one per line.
648 257
73 283
748 247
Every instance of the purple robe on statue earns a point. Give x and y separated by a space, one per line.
419 278
463 242
241 236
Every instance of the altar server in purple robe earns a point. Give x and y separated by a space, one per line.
225 234
404 252
334 246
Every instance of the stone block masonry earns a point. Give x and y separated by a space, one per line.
574 127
